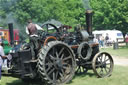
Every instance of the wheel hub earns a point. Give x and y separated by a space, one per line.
101 64
59 64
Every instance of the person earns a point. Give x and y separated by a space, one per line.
107 40
2 55
101 41
32 31
126 39
95 39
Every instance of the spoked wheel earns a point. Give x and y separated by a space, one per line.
81 70
56 63
102 64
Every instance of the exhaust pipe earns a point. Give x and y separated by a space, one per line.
10 26
89 14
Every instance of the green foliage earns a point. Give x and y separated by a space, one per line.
110 14
2 13
69 12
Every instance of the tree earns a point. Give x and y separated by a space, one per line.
67 11
110 14
5 11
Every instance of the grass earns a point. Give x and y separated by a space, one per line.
119 77
7 80
121 52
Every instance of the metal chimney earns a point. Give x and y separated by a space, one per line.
89 14
10 26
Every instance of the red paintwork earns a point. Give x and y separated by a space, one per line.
7 36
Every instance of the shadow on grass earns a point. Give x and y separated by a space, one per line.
88 74
20 82
17 82
85 74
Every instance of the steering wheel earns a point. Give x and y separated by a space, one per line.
50 28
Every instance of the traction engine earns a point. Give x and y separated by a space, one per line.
60 55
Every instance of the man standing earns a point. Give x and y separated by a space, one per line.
2 55
31 30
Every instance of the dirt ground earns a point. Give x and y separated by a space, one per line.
120 61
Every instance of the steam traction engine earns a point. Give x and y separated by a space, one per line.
60 55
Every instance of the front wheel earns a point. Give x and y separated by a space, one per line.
102 64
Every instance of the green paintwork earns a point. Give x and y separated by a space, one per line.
6 47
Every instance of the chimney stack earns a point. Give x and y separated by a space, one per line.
89 14
10 26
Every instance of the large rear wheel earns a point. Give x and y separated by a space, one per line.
56 63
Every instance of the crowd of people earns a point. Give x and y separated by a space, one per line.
103 41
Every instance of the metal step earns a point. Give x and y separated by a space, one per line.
30 61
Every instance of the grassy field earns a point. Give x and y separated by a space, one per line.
119 77
121 52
